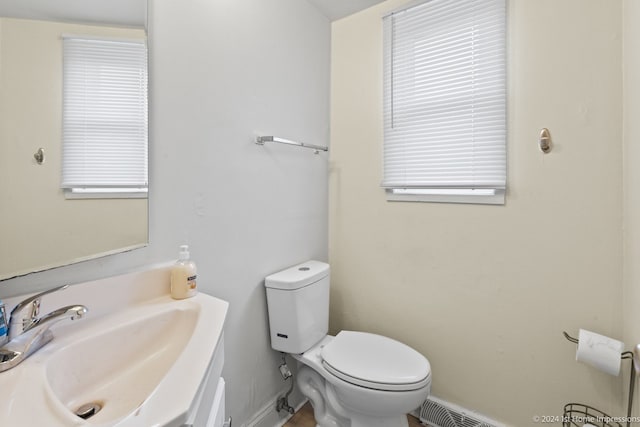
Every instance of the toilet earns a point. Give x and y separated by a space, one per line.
355 379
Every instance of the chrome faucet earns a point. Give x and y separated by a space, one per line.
27 332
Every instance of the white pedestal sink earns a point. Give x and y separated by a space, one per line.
142 358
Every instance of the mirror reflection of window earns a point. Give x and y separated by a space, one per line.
105 109
36 209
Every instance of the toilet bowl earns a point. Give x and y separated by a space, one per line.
354 379
366 391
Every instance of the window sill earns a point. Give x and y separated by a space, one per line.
105 193
466 196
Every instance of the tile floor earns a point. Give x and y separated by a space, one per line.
304 418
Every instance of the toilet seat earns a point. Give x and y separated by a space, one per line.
375 362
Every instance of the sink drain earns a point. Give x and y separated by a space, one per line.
88 410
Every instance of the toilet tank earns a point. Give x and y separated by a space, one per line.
298 305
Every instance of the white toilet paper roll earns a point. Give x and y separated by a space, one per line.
599 351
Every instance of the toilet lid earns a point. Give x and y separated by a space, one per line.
376 362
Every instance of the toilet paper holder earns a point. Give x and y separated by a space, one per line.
635 367
624 355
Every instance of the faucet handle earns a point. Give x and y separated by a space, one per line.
23 304
30 317
27 311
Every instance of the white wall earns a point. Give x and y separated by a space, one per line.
486 291
631 212
220 71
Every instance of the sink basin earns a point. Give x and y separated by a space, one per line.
139 357
118 368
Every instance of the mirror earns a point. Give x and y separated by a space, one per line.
43 225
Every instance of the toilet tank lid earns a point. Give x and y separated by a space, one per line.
298 276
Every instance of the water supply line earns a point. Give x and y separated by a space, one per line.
283 402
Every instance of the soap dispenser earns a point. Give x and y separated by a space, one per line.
4 330
183 276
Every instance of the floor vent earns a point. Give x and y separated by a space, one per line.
438 413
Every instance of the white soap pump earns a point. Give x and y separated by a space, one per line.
183 276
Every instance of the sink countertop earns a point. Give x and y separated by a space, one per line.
117 306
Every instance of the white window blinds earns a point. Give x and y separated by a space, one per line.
444 97
105 125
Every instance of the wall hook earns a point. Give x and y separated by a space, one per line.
39 156
545 141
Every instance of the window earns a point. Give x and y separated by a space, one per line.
445 102
105 126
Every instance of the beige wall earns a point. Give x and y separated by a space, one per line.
486 291
38 226
631 129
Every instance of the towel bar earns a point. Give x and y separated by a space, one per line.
260 140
